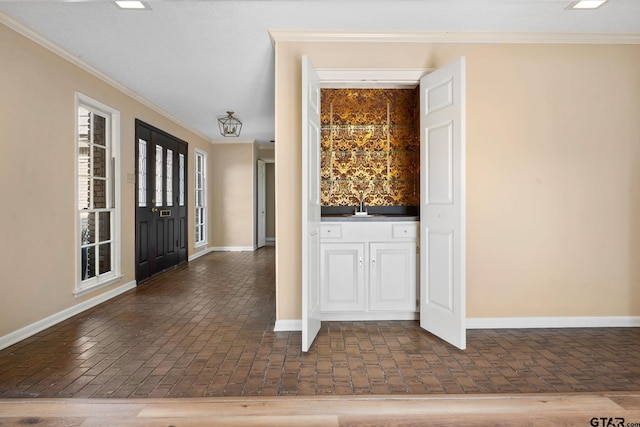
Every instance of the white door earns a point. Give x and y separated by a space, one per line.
262 204
442 200
310 204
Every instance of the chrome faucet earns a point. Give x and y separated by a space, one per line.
362 203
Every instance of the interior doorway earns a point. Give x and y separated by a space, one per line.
161 201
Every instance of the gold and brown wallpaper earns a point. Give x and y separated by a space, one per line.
370 147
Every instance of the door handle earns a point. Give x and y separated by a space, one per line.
154 209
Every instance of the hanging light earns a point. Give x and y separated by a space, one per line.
229 125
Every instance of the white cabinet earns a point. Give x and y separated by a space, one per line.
368 270
342 277
392 276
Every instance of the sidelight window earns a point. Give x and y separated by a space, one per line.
200 198
98 213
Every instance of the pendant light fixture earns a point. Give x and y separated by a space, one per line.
229 125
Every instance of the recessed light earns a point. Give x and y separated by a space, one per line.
128 4
586 4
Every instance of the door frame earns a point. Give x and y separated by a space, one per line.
368 78
261 203
183 249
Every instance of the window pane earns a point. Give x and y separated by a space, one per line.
104 230
88 262
181 178
99 162
105 258
99 129
83 126
142 173
159 175
84 178
99 193
169 177
87 228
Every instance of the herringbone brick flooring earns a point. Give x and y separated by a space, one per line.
206 329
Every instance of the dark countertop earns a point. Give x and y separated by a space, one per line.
374 218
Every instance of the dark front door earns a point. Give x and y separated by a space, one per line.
161 201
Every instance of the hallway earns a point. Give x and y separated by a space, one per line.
206 329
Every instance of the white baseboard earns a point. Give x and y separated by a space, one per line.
288 325
271 241
200 253
47 322
505 322
232 248
553 322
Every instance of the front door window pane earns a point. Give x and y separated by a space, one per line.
169 177
142 173
181 178
159 175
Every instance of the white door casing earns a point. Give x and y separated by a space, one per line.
262 204
442 203
310 204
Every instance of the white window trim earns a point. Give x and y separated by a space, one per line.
204 241
87 286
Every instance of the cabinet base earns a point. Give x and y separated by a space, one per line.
371 315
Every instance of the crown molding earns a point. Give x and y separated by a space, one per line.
450 37
20 28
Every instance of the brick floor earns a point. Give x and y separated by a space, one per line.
207 330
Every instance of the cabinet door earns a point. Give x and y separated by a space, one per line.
393 276
342 267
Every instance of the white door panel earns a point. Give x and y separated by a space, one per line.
310 204
442 200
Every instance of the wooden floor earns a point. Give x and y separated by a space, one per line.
608 409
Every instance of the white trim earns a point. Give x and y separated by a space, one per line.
113 117
290 325
56 318
369 315
449 37
200 253
98 285
362 78
232 248
66 55
554 322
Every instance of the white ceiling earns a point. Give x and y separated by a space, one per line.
198 59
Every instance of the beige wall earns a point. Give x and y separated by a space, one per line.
232 169
553 172
37 178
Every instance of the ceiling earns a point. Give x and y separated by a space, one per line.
198 59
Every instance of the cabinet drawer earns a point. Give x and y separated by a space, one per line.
404 230
331 231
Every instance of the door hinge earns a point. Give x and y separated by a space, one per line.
418 250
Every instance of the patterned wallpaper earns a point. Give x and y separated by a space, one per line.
370 146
